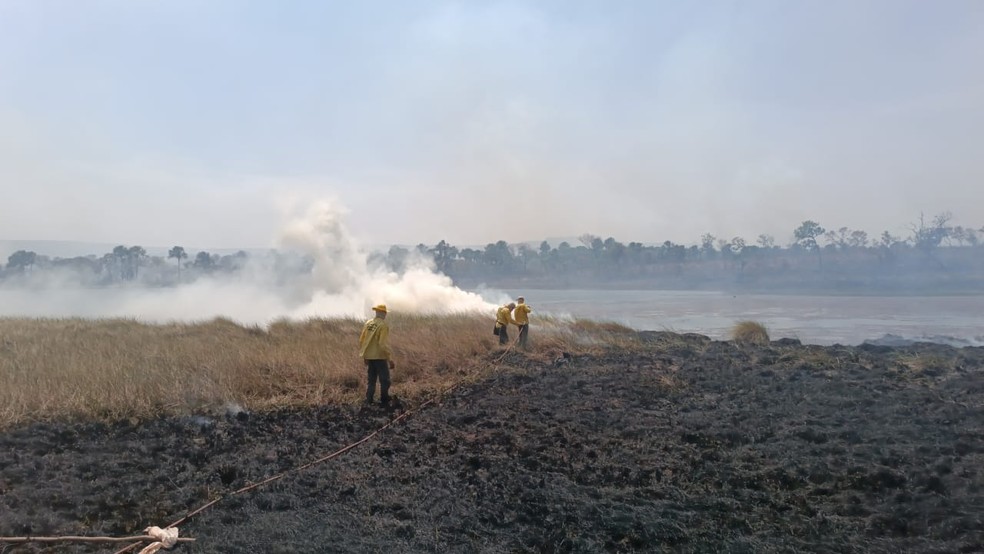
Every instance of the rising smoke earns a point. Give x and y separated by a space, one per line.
341 282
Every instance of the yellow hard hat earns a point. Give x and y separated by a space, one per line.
379 308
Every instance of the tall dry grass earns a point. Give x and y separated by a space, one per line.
119 368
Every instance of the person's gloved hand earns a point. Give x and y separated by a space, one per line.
392 364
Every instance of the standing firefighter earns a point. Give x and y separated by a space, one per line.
503 317
522 316
374 349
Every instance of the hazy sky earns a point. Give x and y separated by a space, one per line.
201 122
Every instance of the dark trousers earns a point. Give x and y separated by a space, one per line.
504 334
378 369
524 333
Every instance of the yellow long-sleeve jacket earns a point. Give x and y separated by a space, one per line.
522 313
503 316
374 340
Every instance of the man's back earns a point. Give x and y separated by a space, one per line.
373 340
504 316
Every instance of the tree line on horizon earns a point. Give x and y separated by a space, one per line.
932 246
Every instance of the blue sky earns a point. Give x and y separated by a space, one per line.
203 123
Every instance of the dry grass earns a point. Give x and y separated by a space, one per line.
118 368
928 365
750 332
811 356
668 383
585 332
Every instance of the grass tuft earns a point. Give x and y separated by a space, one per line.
750 332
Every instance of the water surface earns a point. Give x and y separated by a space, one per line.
812 319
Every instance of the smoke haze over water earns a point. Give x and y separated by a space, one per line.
341 282
162 123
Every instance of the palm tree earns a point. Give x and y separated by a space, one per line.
178 252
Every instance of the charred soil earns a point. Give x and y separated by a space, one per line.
685 445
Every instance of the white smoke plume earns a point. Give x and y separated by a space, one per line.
343 283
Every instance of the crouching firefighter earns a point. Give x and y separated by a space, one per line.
503 317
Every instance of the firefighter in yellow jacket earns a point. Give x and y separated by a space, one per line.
503 317
374 349
522 316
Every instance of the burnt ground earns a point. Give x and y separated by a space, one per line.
690 445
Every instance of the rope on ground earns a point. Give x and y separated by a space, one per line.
71 538
493 366
166 538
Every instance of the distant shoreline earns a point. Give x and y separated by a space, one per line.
781 291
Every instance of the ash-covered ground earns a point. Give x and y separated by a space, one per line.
689 445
